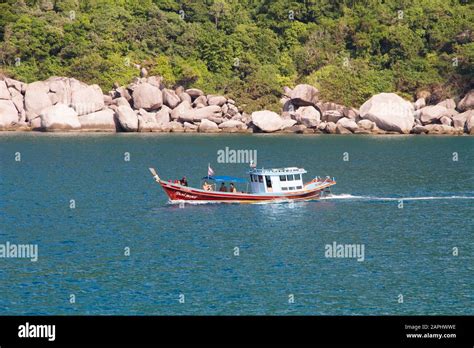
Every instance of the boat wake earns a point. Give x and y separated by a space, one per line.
343 196
373 198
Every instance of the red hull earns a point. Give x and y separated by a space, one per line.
177 192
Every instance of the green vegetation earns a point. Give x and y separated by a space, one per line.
247 49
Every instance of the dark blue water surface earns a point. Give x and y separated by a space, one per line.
190 250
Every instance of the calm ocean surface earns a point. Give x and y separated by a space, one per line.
190 250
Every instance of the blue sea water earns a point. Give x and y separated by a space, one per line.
406 199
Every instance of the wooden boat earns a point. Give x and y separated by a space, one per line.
266 185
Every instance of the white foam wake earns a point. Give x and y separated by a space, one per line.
342 196
373 198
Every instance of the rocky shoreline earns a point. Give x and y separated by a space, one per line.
62 104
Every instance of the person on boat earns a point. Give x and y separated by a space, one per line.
184 182
206 186
232 188
223 188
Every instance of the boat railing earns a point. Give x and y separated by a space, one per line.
321 180
263 171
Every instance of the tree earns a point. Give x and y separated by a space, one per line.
219 9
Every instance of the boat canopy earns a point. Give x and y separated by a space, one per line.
224 178
277 171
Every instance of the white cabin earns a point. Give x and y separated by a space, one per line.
276 180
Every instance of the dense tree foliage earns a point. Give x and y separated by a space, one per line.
247 49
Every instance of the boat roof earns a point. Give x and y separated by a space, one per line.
278 171
225 178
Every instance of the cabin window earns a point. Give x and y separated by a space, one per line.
282 177
260 178
254 178
291 188
284 188
298 187
269 181
298 177
290 178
